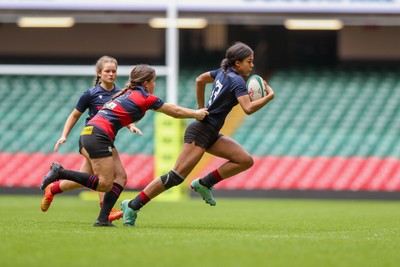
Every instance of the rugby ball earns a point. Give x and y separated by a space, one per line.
255 87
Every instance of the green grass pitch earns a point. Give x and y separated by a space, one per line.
236 232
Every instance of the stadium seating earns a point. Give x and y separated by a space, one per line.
330 129
329 113
323 119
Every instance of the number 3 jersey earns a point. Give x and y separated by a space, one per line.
226 89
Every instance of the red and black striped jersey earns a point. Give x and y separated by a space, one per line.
125 109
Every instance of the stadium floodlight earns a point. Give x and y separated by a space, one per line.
313 24
46 22
182 23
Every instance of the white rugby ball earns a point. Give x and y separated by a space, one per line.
255 87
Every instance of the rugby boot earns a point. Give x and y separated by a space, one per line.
52 176
47 199
130 215
204 192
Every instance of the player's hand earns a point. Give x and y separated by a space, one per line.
134 129
201 114
59 142
270 91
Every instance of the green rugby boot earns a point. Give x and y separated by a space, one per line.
204 191
129 215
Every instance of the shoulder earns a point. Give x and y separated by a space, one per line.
116 89
84 100
93 90
153 98
236 78
140 91
88 93
214 73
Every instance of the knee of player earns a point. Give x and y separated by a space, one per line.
171 179
121 179
104 185
248 162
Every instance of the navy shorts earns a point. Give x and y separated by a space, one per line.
202 134
96 142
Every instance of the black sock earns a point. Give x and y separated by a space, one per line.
110 198
82 178
210 179
139 201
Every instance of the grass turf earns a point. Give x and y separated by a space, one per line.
236 232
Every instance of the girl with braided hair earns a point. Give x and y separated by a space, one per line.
92 100
97 138
229 89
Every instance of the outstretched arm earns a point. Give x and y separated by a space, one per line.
176 111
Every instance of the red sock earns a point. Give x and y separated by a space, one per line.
217 175
139 201
144 197
55 188
211 179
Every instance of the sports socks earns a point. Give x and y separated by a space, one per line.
55 188
82 178
110 198
139 201
211 179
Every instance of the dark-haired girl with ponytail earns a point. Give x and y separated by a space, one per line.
229 89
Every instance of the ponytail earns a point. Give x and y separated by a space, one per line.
139 74
96 80
224 65
238 51
118 94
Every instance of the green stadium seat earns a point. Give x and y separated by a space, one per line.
329 112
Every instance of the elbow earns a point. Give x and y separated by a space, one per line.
248 111
271 96
200 82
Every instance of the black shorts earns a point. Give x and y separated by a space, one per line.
202 134
96 142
